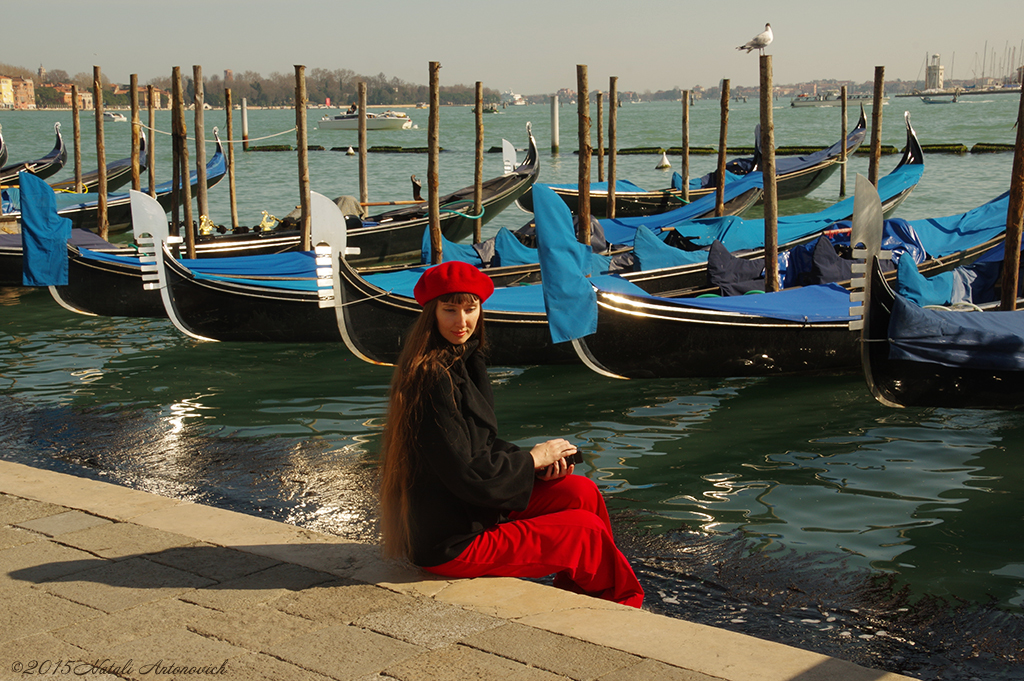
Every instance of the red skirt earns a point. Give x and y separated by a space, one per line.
564 531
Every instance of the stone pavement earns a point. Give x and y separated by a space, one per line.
104 582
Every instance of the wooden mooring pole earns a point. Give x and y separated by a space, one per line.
600 137
133 79
583 113
229 114
842 136
684 162
876 125
723 138
76 128
771 199
176 188
303 144
184 175
613 141
433 151
1014 218
151 147
199 101
478 164
364 189
102 224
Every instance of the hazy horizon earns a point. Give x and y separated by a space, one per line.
531 48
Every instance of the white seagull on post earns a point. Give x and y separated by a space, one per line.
759 41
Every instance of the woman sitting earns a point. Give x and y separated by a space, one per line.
459 501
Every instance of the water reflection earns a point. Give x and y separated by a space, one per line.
812 465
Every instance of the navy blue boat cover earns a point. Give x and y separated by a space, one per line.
974 340
44 235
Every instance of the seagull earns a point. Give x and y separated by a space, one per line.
759 41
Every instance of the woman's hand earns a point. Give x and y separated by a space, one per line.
549 458
558 469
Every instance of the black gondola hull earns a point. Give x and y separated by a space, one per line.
904 383
226 311
637 339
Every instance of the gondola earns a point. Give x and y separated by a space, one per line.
83 209
377 307
107 282
119 173
678 272
618 330
41 167
795 177
920 357
239 307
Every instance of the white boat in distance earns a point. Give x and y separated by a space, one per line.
388 120
833 99
114 116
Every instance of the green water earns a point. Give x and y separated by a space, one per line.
810 468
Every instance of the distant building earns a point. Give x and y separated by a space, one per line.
143 94
17 93
934 74
64 90
6 93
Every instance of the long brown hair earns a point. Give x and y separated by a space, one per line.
425 359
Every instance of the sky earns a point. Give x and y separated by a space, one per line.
528 46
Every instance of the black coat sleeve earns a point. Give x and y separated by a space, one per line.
459 445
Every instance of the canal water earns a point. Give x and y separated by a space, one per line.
794 509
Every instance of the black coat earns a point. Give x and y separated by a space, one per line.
465 479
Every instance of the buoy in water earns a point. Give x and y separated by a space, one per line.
664 162
350 152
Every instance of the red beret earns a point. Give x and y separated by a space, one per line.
452 277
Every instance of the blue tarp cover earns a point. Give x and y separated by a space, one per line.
947 235
565 264
295 264
986 341
914 286
44 235
622 230
739 234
